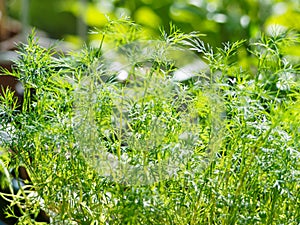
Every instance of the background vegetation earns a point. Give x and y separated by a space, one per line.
220 20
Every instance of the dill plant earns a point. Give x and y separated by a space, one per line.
242 137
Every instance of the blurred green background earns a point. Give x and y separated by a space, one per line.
220 20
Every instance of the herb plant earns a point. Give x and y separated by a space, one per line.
219 148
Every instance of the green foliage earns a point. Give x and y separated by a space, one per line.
242 137
221 20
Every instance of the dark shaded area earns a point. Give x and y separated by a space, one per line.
16 184
13 84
